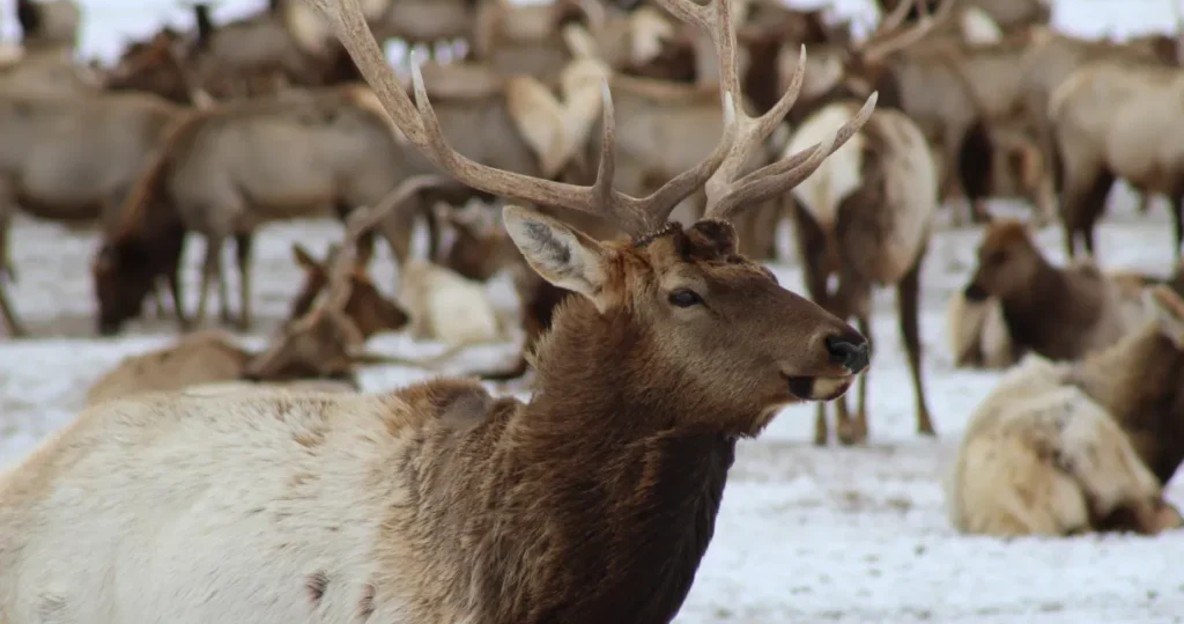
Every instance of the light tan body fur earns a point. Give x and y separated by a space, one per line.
977 333
73 159
230 169
1111 120
447 307
1063 448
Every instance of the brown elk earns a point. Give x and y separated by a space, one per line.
419 504
226 170
865 217
1059 313
1117 119
370 311
49 166
1060 449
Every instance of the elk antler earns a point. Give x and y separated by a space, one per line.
419 124
726 193
888 38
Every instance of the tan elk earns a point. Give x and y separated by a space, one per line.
73 160
49 24
1115 119
1061 449
865 217
228 169
420 504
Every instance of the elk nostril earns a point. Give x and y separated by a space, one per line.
849 352
974 292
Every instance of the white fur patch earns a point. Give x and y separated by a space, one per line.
978 27
445 306
839 175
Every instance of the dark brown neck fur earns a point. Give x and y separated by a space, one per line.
590 504
1052 313
1140 381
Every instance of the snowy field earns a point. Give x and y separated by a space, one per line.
804 534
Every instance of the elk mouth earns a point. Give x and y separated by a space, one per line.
819 388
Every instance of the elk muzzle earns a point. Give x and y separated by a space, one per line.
851 352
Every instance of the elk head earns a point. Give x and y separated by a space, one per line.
479 247
1008 259
127 268
710 320
369 309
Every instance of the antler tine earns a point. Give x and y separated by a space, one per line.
873 51
894 19
780 176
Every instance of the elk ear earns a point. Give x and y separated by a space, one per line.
1168 311
561 255
304 259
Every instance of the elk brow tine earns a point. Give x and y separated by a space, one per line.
787 173
665 199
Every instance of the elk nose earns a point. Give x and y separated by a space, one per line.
849 351
974 292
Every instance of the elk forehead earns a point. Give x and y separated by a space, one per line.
1005 234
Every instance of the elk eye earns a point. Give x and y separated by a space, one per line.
685 298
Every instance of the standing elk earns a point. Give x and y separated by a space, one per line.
1118 119
866 216
73 160
227 170
1060 449
419 504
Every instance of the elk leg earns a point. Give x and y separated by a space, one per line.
908 293
811 246
211 267
1177 202
243 244
15 329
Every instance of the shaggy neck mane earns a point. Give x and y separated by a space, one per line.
591 503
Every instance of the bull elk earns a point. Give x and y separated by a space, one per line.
420 504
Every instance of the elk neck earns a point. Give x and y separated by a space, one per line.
1049 313
1140 382
596 505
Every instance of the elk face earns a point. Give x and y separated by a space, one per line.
369 310
1007 262
718 320
317 346
123 275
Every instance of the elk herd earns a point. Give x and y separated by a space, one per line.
628 164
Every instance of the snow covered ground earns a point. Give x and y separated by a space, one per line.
805 534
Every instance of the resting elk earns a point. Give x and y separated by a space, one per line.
48 163
226 170
1117 119
419 504
1061 313
865 217
1060 449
